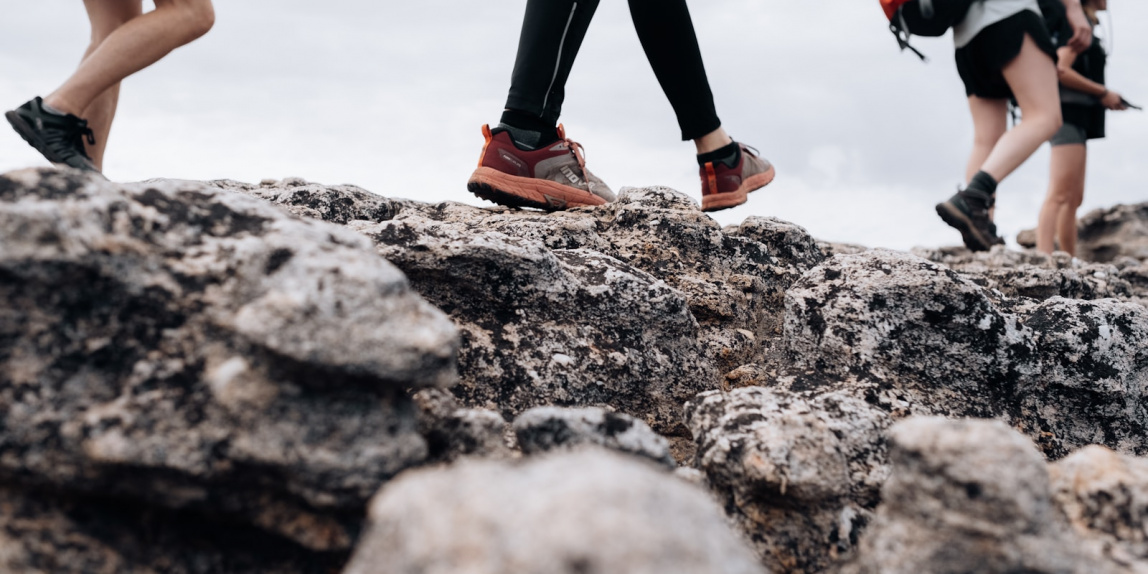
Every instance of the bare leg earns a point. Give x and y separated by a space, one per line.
1066 227
712 141
990 122
1033 79
139 43
1065 194
106 16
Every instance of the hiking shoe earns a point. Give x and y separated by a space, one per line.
59 137
551 178
724 187
968 212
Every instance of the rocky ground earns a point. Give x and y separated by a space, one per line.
291 377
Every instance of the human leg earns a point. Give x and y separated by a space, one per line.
666 32
552 34
990 122
105 17
131 47
527 160
1033 78
1065 193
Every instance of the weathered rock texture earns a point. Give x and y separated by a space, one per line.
179 346
1107 235
544 429
193 354
799 475
970 496
637 305
589 512
1069 372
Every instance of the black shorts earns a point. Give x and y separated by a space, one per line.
980 62
1090 119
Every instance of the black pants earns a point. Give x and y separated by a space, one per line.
552 33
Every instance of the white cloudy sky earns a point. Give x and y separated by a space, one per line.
390 95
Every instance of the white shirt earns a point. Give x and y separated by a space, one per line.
985 13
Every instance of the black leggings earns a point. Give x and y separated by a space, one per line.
552 33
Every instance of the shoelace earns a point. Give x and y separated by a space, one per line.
71 137
579 154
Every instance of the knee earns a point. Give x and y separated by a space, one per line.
1050 122
197 17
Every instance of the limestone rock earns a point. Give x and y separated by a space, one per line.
1106 235
969 496
453 432
1121 231
885 315
545 429
183 346
1104 496
1034 275
800 474
48 533
334 203
923 339
553 327
589 512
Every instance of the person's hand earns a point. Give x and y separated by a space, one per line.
1113 101
1081 30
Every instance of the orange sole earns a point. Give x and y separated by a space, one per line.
515 191
730 199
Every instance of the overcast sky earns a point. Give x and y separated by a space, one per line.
391 95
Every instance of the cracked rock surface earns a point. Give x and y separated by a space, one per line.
217 377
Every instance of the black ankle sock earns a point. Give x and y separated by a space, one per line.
729 155
529 131
982 188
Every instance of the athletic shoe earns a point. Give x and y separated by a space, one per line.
551 178
971 218
59 137
724 187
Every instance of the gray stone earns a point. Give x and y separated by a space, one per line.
452 432
1104 496
799 475
191 348
1034 275
545 429
969 496
1105 235
588 512
48 533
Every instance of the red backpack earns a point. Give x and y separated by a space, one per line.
923 18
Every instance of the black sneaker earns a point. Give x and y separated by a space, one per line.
968 212
59 137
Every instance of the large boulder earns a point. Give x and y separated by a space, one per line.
890 316
45 532
799 475
1104 497
969 496
1069 372
587 512
191 348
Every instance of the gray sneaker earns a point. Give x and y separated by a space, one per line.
551 178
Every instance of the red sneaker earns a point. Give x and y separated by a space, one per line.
724 187
552 178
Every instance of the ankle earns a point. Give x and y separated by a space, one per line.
57 105
712 141
729 155
528 130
